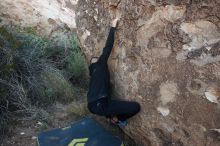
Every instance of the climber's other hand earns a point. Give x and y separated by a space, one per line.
115 22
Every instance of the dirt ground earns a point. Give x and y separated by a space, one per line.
25 133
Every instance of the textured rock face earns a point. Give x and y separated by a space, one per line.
45 15
165 56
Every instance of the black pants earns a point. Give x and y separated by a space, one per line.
110 108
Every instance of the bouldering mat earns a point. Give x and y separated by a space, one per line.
85 132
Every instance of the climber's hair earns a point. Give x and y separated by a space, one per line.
93 58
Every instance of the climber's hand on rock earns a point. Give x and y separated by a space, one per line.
115 22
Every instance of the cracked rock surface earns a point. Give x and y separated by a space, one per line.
166 57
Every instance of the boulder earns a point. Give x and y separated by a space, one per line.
166 56
45 16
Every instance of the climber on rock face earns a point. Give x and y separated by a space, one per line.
99 96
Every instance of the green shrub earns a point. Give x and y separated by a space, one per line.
35 72
30 30
8 40
76 64
56 86
32 46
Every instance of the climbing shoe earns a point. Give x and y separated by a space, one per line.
122 124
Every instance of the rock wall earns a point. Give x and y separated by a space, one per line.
166 57
45 15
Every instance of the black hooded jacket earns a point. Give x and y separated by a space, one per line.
99 74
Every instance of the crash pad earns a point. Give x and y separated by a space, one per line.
85 132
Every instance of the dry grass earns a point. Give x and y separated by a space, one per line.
34 73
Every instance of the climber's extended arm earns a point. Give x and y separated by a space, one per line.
108 46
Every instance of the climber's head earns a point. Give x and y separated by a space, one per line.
94 60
